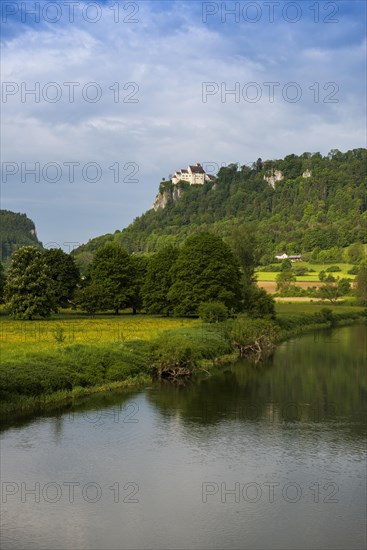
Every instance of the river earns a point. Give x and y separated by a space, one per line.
255 456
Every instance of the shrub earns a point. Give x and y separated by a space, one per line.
253 335
213 312
299 271
333 269
261 303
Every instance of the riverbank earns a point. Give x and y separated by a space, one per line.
38 379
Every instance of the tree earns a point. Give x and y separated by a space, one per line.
333 290
64 274
355 253
158 281
244 242
205 271
29 288
111 268
92 298
260 303
286 265
361 285
213 312
253 335
139 266
2 282
284 280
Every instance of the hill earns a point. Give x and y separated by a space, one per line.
299 204
16 230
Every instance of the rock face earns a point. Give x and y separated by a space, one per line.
307 174
166 196
276 176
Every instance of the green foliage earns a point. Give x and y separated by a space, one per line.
158 281
64 274
185 348
16 231
361 285
327 315
300 271
356 253
284 280
139 264
286 265
29 289
204 271
112 269
333 269
92 298
253 335
260 303
213 312
2 282
72 366
333 290
243 243
325 212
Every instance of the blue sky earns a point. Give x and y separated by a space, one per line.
151 84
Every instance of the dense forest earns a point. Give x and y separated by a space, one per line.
17 230
319 204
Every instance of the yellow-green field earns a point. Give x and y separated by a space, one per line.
297 308
17 337
309 277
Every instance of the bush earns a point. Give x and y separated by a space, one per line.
354 270
253 335
260 303
327 316
299 271
333 269
213 312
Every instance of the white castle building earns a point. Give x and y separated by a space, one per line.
194 175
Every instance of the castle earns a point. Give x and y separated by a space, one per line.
194 175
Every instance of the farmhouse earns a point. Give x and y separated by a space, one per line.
194 175
292 258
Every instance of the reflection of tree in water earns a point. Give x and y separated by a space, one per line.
95 404
307 380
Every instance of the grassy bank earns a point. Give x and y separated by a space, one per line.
35 375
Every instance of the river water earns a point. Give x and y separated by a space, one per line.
256 456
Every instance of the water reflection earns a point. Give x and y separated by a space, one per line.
314 379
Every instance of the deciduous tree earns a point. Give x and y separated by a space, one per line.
29 288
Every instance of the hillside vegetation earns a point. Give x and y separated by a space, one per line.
320 204
17 230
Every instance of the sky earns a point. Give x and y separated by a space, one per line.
101 100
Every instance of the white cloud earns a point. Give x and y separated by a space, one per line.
169 55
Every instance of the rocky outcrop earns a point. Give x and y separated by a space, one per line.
274 177
171 194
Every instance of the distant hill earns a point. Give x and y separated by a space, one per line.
297 204
16 230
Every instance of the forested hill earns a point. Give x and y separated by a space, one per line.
16 230
317 203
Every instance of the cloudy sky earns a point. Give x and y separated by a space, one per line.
125 93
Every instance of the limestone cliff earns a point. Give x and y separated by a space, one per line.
167 193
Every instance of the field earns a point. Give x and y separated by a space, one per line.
296 308
45 362
19 338
309 277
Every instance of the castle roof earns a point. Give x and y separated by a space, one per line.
197 169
